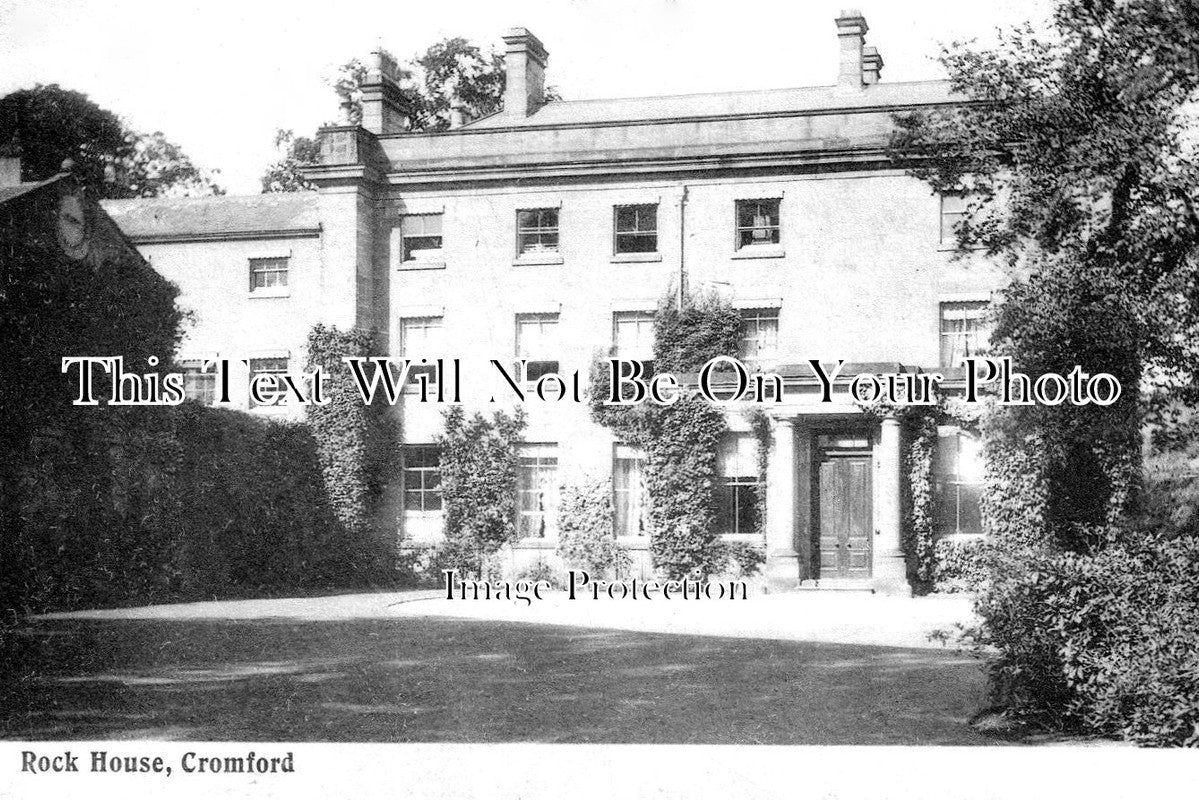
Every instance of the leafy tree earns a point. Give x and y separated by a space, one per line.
50 124
285 174
1075 154
1077 149
451 68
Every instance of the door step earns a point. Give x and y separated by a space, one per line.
835 586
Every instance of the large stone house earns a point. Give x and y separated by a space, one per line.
550 231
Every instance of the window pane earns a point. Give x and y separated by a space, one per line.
417 247
759 334
537 230
420 337
757 222
422 478
633 335
421 224
267 366
965 331
537 492
268 272
636 243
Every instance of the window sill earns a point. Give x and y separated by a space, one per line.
750 538
534 543
635 258
279 409
417 266
410 387
759 251
539 259
261 293
950 247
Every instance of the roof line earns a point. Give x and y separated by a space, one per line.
221 236
831 111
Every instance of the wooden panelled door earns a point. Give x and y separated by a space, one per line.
845 514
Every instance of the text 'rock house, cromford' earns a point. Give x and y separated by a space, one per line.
551 231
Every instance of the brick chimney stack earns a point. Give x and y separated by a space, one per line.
872 65
384 109
858 65
524 61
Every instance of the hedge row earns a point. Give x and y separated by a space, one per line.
140 505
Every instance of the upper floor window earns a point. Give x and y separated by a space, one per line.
198 385
953 211
964 331
268 273
759 335
536 231
757 223
421 338
267 366
636 229
422 478
633 337
537 341
738 490
420 239
537 491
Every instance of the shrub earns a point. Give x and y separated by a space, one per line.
478 485
959 565
747 559
586 539
540 570
1107 642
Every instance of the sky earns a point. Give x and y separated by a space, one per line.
220 77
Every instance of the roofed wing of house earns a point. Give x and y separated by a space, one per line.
212 218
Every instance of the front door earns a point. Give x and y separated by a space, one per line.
844 514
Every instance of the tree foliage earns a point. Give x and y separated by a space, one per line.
453 68
295 153
1076 147
680 440
478 483
50 124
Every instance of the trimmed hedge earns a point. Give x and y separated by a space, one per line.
156 504
110 505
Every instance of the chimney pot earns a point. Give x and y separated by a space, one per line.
524 63
457 113
872 65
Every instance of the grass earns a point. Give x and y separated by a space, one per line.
438 680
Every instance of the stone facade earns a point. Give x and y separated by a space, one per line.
501 238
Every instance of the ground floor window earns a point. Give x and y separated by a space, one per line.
738 488
628 491
422 478
537 491
267 366
198 385
958 473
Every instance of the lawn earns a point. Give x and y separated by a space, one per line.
446 680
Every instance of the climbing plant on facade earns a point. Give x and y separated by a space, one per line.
479 462
680 440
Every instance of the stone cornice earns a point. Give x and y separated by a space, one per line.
858 158
685 120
